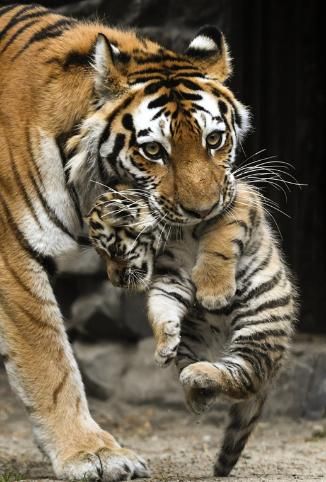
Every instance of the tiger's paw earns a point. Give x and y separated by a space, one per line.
105 464
168 343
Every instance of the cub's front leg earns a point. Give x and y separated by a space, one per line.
220 248
170 297
43 371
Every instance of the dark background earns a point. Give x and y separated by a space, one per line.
278 50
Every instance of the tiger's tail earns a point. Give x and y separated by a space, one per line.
243 416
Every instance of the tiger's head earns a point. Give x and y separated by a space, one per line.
166 124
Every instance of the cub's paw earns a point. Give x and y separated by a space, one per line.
213 290
201 387
220 296
200 375
168 343
215 287
106 464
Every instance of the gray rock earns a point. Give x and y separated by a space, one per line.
129 374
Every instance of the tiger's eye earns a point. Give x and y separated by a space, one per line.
214 139
152 149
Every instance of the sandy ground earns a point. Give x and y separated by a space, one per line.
179 447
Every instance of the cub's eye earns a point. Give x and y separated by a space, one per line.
214 140
154 150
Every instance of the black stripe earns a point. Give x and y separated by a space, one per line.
23 191
50 31
16 34
192 71
4 10
51 214
112 116
24 27
77 59
38 321
45 261
263 288
154 87
59 388
159 102
188 96
119 143
236 372
239 222
260 335
275 303
21 18
193 355
159 58
263 264
254 358
239 244
61 140
269 319
143 80
15 19
219 255
182 355
19 280
171 295
167 271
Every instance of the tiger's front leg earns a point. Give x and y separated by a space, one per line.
44 373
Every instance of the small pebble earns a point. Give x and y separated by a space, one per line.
318 431
207 438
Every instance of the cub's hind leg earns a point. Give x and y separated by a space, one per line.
243 374
243 417
43 371
199 342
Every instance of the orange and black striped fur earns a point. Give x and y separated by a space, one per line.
232 342
82 104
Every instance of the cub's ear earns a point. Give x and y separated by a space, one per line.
107 65
210 51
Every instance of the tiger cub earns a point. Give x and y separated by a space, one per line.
220 302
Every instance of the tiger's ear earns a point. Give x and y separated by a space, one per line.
108 77
210 51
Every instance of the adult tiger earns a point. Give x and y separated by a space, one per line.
80 104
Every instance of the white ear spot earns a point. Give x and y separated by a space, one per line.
202 42
115 50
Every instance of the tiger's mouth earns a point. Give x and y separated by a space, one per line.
179 216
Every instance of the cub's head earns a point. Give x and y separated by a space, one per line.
165 123
120 230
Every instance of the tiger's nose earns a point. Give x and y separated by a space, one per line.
203 212
198 213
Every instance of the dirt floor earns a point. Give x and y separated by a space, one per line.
179 447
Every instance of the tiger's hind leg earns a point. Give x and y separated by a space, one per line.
243 417
44 373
